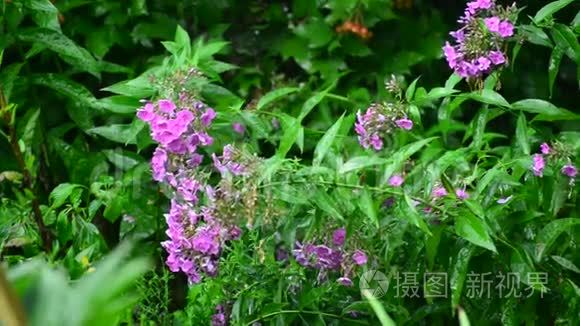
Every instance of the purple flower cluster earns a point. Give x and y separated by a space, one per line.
539 162
330 258
196 235
377 122
219 317
478 42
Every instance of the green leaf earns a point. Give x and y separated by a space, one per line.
550 9
410 92
546 110
312 102
411 213
463 320
60 194
316 31
474 230
399 157
565 39
522 134
274 95
326 141
182 40
124 160
378 309
74 91
325 202
550 234
119 133
7 77
120 104
68 50
139 88
459 273
566 264
367 206
44 13
536 35
291 131
434 94
554 66
489 97
453 80
359 162
114 208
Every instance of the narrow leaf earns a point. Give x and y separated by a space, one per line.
550 9
522 134
474 230
326 141
274 95
550 233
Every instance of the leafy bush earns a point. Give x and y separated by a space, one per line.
286 165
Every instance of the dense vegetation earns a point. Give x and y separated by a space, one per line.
328 162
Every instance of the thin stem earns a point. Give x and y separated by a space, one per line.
27 182
352 186
324 314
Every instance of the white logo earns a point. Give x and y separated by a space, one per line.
374 282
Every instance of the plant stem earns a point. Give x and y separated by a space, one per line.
352 186
27 182
325 314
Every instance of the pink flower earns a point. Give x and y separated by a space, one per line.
359 257
207 117
396 180
166 106
483 63
376 141
439 192
239 128
339 236
492 24
450 55
404 123
538 165
545 148
345 281
569 170
147 113
505 29
462 194
496 57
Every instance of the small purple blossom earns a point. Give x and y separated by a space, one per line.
538 165
504 200
505 29
461 193
238 128
492 24
439 192
219 317
345 281
396 180
569 170
359 257
497 57
545 148
166 106
338 237
404 123
207 117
